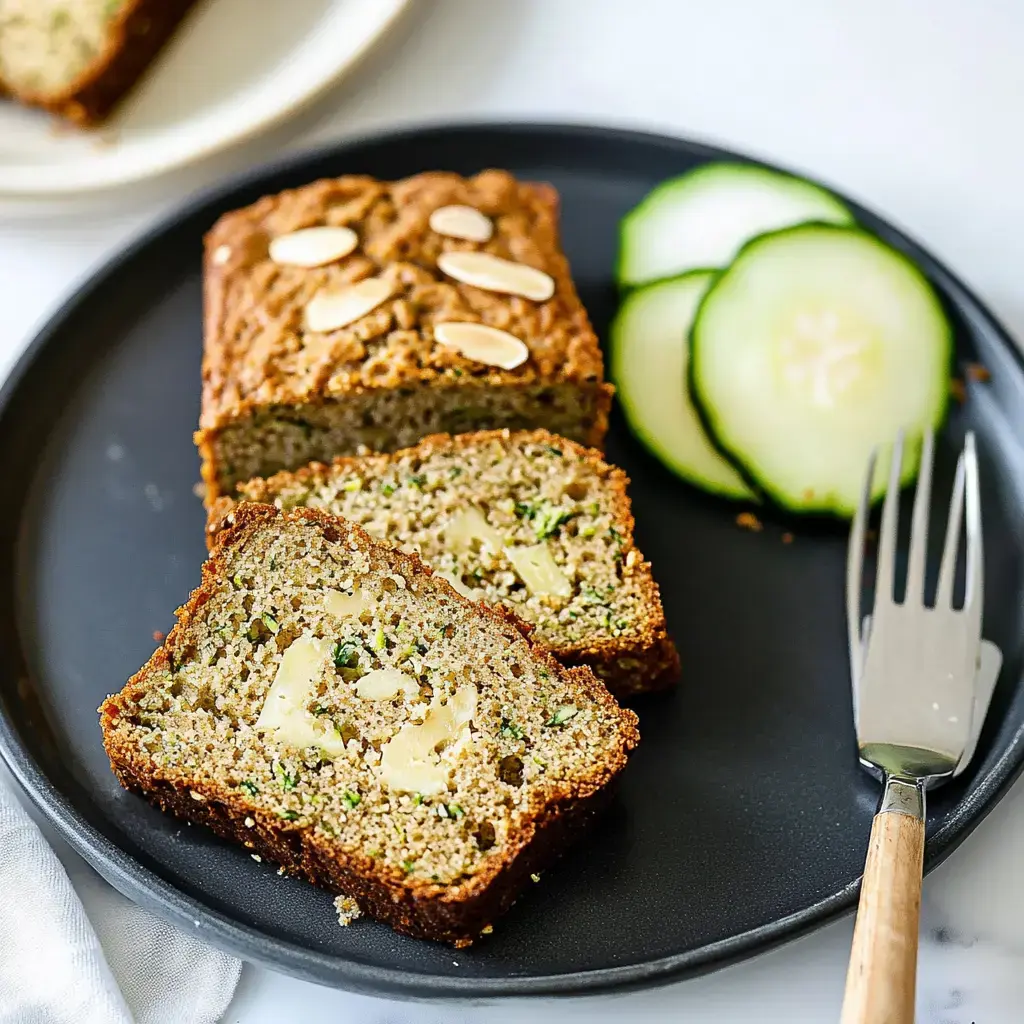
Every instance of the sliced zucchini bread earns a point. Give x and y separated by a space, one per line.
333 705
523 519
80 58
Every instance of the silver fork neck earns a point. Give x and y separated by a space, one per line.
903 795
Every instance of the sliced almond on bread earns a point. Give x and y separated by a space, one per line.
463 222
494 274
313 247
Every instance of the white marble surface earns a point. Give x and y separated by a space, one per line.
913 107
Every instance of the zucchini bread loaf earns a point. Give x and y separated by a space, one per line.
525 519
78 58
354 312
331 704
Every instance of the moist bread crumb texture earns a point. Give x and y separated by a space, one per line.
329 703
78 58
468 504
278 394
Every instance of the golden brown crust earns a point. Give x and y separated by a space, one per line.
627 665
136 36
453 913
258 352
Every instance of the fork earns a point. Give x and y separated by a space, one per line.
916 675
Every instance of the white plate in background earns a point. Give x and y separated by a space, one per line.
234 68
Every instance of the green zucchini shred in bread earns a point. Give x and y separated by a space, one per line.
464 503
338 709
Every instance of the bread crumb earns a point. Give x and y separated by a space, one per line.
199 490
787 538
159 636
748 521
256 857
975 371
249 823
535 877
487 929
957 391
348 910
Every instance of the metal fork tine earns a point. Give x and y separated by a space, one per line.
855 566
947 569
975 554
919 523
885 569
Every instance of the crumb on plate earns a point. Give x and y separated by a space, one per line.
748 521
348 910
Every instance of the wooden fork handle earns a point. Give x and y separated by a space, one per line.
881 981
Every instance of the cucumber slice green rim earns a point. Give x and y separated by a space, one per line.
813 348
701 219
649 357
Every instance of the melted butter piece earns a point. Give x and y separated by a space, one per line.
538 570
470 525
385 684
346 606
284 710
410 761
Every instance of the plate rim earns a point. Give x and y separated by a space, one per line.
145 887
26 182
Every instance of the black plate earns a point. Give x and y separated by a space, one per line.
743 818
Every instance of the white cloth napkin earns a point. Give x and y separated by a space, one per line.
82 953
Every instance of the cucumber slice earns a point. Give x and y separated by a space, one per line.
699 221
649 356
818 344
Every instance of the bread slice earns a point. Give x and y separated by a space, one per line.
331 704
281 389
79 58
473 506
